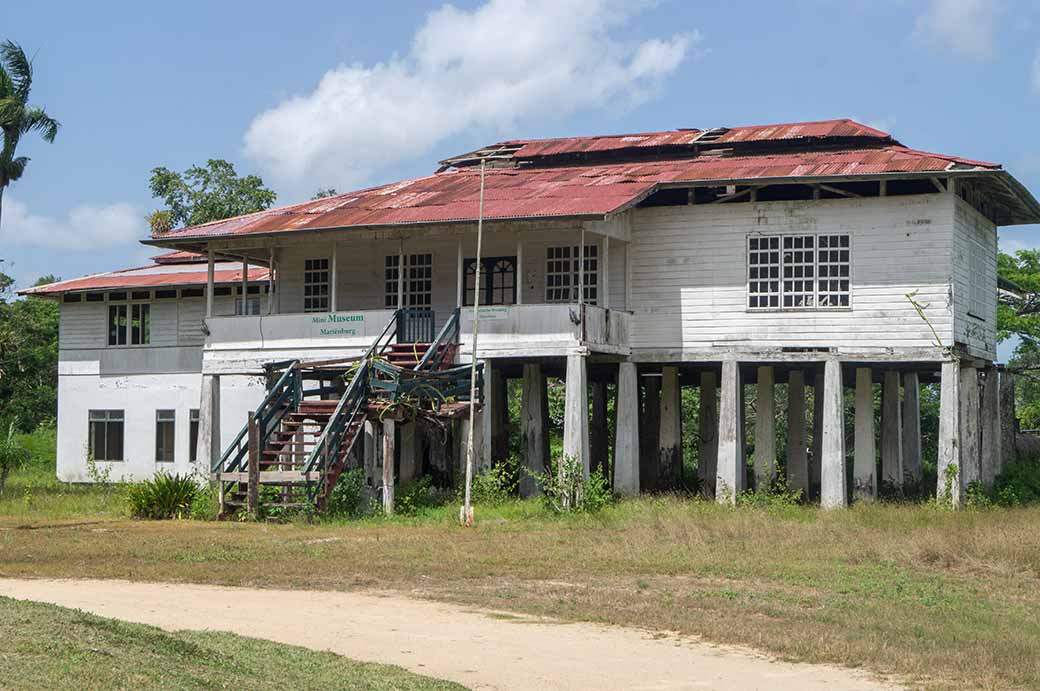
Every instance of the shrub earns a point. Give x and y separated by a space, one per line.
775 496
348 498
1019 483
164 496
420 495
565 487
206 504
494 485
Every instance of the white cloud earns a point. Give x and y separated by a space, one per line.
87 226
502 62
964 26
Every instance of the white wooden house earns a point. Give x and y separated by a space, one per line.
821 254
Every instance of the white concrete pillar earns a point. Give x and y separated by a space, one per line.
864 465
948 484
708 430
371 453
626 445
912 470
832 461
576 412
1008 420
765 429
797 455
270 281
534 432
604 274
518 275
409 465
669 440
460 278
389 441
891 431
731 475
989 451
971 437
209 448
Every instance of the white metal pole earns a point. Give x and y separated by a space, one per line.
467 509
400 275
460 278
604 272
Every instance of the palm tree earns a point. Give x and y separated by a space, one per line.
17 117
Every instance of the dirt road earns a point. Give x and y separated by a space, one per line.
483 650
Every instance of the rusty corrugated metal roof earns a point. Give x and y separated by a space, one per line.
179 258
152 276
562 191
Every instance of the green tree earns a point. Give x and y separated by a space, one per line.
210 193
28 357
324 192
1018 310
17 117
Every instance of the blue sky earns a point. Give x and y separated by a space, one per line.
325 93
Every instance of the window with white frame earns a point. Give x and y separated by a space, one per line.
316 285
165 433
798 271
562 278
418 280
129 323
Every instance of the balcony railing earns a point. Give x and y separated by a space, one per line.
513 330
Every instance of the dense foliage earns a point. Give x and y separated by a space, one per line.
203 194
28 357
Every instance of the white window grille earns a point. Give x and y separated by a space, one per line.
562 278
418 280
799 271
316 285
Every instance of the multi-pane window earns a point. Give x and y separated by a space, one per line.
106 434
193 435
562 277
165 430
129 323
497 281
315 285
418 280
832 269
798 271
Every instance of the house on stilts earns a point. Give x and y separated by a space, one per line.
824 256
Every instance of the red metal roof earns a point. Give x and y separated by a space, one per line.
153 276
562 191
179 258
823 129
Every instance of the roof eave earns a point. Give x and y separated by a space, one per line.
180 242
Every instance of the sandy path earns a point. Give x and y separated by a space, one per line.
478 649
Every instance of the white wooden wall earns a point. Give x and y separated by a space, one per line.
360 266
689 274
975 259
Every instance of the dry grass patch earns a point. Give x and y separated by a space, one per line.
941 598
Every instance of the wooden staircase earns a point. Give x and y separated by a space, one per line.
297 443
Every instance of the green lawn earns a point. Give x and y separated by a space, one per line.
48 647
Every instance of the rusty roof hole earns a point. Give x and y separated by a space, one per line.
711 135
